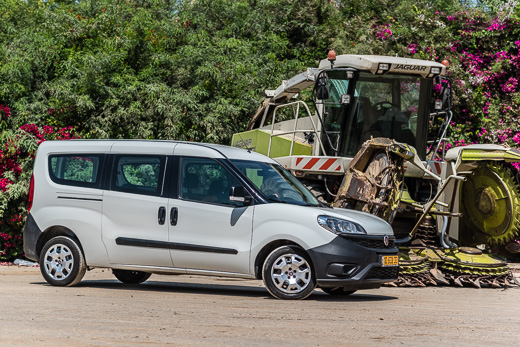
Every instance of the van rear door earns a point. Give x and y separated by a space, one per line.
134 226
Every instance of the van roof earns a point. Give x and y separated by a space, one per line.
164 147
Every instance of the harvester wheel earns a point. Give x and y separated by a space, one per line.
381 171
491 204
373 179
317 190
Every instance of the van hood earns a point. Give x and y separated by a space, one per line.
373 225
309 214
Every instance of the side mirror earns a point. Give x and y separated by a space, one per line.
240 195
444 103
322 87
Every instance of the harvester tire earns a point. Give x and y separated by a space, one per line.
381 170
317 190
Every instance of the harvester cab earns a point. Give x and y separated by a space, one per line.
374 141
354 98
365 97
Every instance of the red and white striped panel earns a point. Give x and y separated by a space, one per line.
318 164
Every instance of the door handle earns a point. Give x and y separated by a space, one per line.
174 215
161 216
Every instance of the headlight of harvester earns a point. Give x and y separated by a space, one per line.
340 226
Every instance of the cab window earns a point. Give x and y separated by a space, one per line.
383 106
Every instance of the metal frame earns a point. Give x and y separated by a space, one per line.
295 130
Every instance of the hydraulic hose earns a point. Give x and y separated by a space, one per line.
403 240
445 242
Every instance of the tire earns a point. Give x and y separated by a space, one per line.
317 190
62 262
377 165
131 277
383 170
337 291
288 273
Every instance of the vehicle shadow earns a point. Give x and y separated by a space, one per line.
356 297
218 289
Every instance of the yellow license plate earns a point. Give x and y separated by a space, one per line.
390 260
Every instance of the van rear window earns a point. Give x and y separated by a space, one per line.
76 169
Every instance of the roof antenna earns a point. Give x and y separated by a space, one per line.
249 149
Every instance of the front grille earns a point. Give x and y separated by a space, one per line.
373 243
383 273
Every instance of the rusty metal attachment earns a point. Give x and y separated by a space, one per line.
374 178
374 183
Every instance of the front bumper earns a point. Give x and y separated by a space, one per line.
354 262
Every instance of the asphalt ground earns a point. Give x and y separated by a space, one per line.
204 311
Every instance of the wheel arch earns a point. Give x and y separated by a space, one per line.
55 231
268 248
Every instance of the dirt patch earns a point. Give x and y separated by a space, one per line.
192 310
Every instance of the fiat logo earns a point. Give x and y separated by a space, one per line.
386 240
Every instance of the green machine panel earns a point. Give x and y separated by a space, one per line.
258 141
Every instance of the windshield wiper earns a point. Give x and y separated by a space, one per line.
277 200
293 203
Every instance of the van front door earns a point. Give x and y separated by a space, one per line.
207 231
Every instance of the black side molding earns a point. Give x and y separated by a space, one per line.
125 241
74 198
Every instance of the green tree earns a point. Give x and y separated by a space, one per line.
155 69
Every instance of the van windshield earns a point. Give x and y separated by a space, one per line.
276 183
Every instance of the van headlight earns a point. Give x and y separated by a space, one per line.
340 226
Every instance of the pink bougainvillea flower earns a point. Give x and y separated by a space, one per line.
383 31
510 86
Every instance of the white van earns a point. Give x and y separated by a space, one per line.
143 207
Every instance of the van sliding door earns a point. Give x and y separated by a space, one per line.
134 226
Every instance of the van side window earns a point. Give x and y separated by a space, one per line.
139 174
76 169
206 180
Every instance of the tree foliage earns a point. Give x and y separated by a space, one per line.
154 69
